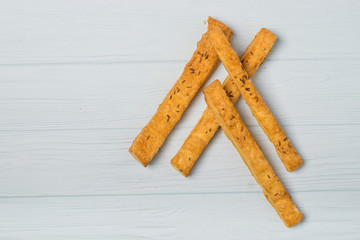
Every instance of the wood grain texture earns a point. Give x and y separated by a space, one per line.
70 105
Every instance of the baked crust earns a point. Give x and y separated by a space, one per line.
261 112
197 71
207 125
234 128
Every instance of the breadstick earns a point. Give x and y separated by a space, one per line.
207 126
197 71
234 128
261 112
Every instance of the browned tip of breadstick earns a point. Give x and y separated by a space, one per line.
213 23
258 50
142 163
289 219
267 32
239 135
185 174
227 55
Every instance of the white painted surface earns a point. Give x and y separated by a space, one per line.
79 79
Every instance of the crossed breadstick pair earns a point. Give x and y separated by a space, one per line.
213 47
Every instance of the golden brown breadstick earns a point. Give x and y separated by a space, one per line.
198 70
207 126
261 112
234 128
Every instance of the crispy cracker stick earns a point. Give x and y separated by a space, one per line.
198 70
207 126
234 128
261 112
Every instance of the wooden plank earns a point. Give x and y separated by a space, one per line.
68 32
197 216
108 96
77 162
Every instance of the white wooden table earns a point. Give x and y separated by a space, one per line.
79 79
